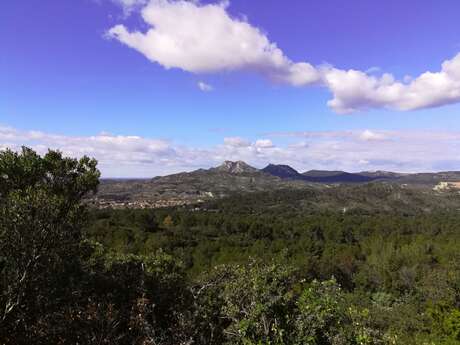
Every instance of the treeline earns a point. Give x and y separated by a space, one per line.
238 271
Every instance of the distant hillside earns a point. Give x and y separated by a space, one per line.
238 177
381 174
336 177
430 178
283 171
238 167
230 177
368 198
317 176
322 173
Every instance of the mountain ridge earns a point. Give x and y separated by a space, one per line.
239 177
237 167
318 176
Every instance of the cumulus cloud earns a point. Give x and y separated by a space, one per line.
134 156
117 154
355 90
205 87
404 151
203 38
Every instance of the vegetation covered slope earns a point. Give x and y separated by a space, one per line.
201 184
393 252
238 177
281 267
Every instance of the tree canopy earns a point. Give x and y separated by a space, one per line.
233 272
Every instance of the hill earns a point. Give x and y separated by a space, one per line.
195 186
232 178
283 171
322 176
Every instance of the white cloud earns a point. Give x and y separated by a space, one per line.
264 143
134 156
116 153
368 135
405 151
203 38
205 87
355 90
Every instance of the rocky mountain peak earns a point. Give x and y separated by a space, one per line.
237 167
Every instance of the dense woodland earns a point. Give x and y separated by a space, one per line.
260 268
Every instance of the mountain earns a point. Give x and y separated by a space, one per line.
282 171
327 176
316 176
238 167
322 173
321 176
188 187
232 178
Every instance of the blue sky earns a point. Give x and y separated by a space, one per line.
68 71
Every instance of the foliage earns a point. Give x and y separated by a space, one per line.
394 265
249 269
40 231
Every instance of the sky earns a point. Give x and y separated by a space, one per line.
153 87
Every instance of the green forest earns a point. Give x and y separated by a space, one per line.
260 268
